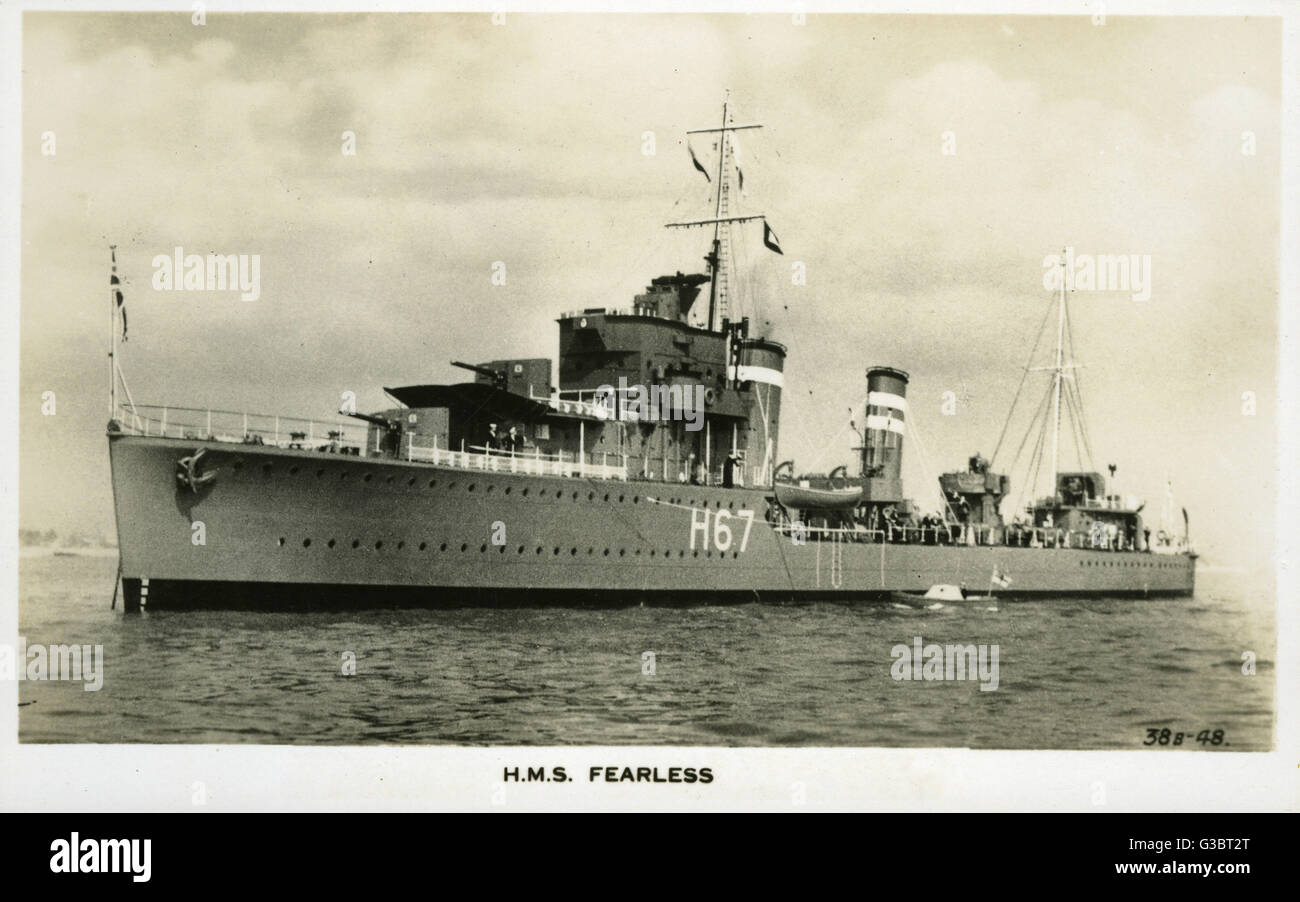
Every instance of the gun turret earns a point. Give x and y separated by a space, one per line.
498 377
382 422
375 420
389 441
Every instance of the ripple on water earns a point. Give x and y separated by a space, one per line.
1073 674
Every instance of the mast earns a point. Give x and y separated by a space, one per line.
1060 341
715 256
112 332
715 262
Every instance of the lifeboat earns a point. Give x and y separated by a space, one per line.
798 497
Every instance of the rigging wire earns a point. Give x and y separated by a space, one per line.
1081 450
925 462
1024 375
1030 472
835 437
1078 388
1036 464
1040 411
1076 428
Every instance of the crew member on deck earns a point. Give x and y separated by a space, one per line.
493 439
515 441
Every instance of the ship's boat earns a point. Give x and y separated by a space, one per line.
944 593
797 497
641 468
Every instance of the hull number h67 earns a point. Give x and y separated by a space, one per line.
719 532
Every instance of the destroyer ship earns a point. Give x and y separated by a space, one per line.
645 468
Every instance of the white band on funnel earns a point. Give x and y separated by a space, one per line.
893 425
886 399
766 375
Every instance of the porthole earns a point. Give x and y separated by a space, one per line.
401 545
636 499
368 477
424 545
432 483
471 487
622 551
507 490
557 550
343 474
606 552
442 547
281 542
607 497
575 496
573 552
464 546
356 543
539 549
389 480
293 471
411 481
525 492
379 544
620 499
320 473
695 554
591 551
306 543
331 543
239 465
266 468
451 485
482 548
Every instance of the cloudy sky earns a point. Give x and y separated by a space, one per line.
524 142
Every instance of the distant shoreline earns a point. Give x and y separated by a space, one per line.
53 551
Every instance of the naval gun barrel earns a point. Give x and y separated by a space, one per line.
498 377
383 422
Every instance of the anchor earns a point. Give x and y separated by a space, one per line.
189 471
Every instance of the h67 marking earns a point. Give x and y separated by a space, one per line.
720 532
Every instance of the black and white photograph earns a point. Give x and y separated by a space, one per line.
778 382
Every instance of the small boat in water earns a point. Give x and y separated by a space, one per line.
941 594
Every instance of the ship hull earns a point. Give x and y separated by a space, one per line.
287 528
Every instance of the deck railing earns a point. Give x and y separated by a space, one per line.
241 427
955 534
534 463
238 427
